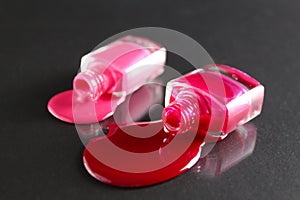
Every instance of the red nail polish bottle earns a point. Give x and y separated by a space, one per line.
215 98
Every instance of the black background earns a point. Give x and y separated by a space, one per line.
40 47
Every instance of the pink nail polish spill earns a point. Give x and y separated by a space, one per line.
124 158
216 99
61 107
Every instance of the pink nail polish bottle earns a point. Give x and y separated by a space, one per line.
215 98
119 68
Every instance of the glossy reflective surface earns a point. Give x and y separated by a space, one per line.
220 157
41 157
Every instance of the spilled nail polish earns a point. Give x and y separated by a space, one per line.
141 154
63 107
132 162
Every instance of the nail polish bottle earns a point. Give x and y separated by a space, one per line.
119 68
215 98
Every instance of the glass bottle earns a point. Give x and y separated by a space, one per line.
119 68
215 98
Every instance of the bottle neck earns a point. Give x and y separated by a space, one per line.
182 114
89 85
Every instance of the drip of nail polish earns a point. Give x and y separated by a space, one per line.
141 154
216 98
227 153
107 75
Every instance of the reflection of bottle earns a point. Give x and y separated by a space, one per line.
119 68
137 105
227 153
131 110
216 99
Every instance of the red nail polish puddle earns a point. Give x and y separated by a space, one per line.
61 107
141 154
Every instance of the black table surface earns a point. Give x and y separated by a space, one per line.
40 46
